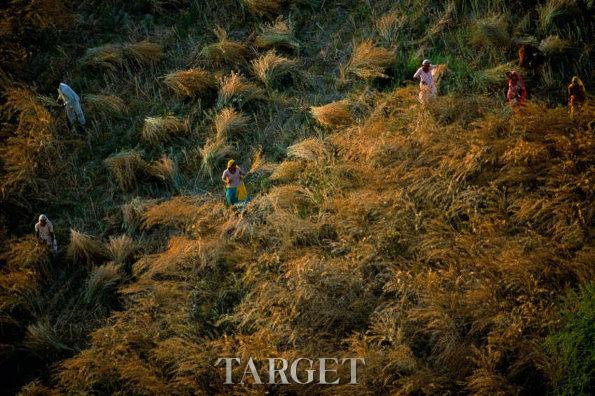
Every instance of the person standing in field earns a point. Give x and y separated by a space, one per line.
72 103
44 229
232 177
517 92
427 86
576 95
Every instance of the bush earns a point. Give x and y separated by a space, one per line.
571 346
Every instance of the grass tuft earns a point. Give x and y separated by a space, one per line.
225 50
162 129
235 89
278 34
553 46
369 61
83 249
270 68
491 31
191 83
264 8
121 248
126 167
333 114
105 104
227 121
101 284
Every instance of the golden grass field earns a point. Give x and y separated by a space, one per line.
451 245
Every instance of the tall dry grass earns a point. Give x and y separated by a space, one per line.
264 8
227 121
369 61
235 89
278 34
224 50
162 129
126 167
191 83
270 68
84 249
333 114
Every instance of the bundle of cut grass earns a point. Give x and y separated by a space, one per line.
369 61
229 120
213 154
277 35
225 50
491 31
121 248
143 52
190 83
270 67
554 9
553 46
310 149
165 170
83 249
105 104
162 129
177 212
235 89
388 26
43 339
333 114
287 171
25 252
495 76
132 213
102 283
109 56
264 8
126 167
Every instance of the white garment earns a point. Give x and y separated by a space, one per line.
45 232
234 178
427 87
72 102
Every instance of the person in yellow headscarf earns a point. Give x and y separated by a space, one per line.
576 95
233 178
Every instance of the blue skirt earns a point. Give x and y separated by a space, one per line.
231 195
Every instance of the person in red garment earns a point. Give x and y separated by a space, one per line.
517 92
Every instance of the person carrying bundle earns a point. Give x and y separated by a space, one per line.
576 95
72 103
427 86
44 229
517 92
235 190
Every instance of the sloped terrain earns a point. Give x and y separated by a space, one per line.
448 245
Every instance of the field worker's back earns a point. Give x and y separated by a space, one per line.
45 232
72 102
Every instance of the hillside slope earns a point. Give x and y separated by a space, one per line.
445 245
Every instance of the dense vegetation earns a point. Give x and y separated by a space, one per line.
449 246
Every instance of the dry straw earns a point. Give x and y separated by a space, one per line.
369 61
333 114
190 83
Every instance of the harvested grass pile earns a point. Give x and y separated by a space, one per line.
491 32
278 34
113 56
177 212
126 167
224 51
101 284
227 121
162 129
311 149
121 248
105 104
369 61
191 83
264 8
132 213
553 45
270 68
333 114
84 250
235 89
